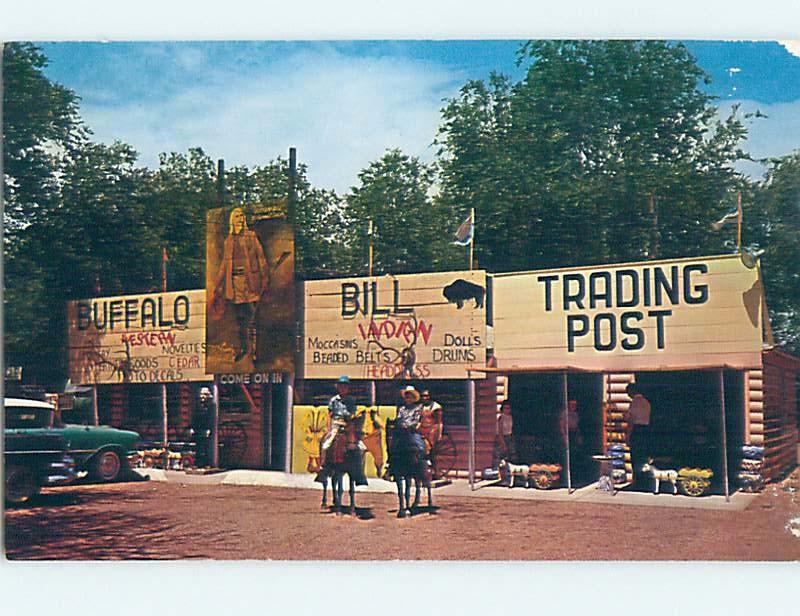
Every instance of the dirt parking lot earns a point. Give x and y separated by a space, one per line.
155 520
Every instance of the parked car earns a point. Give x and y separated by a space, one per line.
102 451
35 460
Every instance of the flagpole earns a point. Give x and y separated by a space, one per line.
472 240
164 409
370 247
739 224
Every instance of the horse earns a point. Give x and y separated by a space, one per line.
344 456
405 464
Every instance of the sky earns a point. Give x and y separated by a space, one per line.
342 104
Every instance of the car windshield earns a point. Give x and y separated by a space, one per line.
27 417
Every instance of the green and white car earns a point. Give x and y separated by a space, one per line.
102 451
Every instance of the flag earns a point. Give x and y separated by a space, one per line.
727 219
465 232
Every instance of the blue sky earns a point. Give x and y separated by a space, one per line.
343 103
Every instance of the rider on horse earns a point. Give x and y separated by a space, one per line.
342 411
409 416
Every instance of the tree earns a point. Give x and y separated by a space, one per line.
40 125
605 151
100 239
772 224
412 231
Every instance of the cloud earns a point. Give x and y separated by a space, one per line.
793 47
340 111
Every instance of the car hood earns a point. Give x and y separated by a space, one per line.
104 430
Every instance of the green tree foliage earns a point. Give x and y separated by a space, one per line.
182 189
319 225
40 125
412 231
772 225
99 240
566 166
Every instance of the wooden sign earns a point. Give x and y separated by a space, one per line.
411 326
686 313
153 338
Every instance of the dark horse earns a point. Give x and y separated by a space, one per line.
343 457
405 464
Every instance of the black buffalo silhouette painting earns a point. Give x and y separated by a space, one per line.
461 290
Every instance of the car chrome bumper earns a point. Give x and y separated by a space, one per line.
60 473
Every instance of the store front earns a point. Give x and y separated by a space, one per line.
545 424
687 333
143 359
386 332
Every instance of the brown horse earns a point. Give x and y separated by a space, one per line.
343 457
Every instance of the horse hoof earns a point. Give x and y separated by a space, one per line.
401 513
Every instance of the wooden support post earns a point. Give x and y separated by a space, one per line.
95 410
565 410
164 415
215 423
287 452
724 434
471 452
266 418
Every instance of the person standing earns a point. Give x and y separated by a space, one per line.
638 419
430 418
203 426
504 436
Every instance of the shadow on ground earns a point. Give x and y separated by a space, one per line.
58 525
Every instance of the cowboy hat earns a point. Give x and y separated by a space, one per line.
409 389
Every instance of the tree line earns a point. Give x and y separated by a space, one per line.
605 151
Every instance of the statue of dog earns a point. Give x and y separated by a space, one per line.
511 471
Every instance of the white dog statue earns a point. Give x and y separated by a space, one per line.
513 470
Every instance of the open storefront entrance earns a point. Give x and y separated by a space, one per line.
548 429
690 427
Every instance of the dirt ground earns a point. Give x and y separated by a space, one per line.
151 520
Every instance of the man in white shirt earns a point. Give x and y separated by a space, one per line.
504 437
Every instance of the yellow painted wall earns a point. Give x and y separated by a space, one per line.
310 424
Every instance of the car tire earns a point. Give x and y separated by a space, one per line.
107 466
21 485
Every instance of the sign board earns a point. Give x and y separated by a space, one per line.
250 290
151 338
411 326
681 314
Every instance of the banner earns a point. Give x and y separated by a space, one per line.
250 290
411 326
681 314
151 338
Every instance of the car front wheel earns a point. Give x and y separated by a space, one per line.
21 485
107 466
